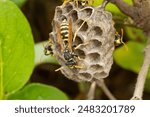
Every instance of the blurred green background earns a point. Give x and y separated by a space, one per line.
25 26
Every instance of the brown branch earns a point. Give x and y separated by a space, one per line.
103 86
137 2
143 73
91 92
124 7
139 12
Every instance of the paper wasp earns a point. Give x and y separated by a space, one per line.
119 39
65 40
48 48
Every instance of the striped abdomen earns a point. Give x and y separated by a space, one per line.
64 30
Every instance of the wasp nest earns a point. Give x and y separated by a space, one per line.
93 33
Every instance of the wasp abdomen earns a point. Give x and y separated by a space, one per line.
64 30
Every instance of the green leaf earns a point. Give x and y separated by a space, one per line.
37 91
136 34
111 7
19 3
131 59
118 16
16 48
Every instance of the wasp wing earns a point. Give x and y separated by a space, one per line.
59 38
70 37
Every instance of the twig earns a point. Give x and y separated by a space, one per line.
139 12
124 7
103 86
143 73
91 92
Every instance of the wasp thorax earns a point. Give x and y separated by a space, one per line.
83 41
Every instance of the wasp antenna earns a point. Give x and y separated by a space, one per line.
122 40
78 67
121 36
121 32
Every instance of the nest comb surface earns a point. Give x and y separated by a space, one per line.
95 41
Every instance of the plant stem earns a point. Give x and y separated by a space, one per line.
91 92
105 89
138 93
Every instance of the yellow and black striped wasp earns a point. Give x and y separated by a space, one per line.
65 40
48 48
119 39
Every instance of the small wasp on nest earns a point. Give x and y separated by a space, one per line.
82 40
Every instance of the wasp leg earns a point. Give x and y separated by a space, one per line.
74 66
77 67
58 69
81 45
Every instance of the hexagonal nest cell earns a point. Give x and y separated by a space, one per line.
93 41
